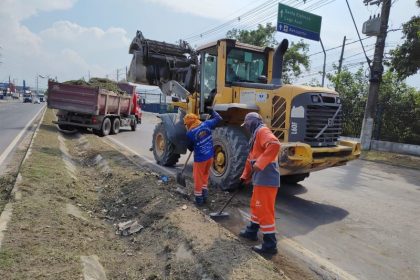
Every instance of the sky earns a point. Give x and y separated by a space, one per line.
72 39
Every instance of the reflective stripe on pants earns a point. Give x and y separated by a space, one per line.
262 208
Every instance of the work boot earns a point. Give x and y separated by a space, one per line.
199 200
269 245
205 195
250 232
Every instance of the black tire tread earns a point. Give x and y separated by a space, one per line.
235 138
169 158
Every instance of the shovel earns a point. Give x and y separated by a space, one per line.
180 178
221 214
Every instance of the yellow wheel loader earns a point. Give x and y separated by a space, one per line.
234 79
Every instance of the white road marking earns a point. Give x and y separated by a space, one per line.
6 215
9 148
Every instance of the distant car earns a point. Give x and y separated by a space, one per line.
27 99
37 101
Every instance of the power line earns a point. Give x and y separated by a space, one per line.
358 34
261 13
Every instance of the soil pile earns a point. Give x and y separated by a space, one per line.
98 82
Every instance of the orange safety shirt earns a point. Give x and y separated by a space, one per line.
263 154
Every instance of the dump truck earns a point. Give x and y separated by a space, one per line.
234 79
104 111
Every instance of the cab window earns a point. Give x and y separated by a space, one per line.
245 66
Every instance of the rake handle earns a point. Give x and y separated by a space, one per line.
229 200
186 162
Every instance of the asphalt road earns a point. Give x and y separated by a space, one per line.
14 117
361 219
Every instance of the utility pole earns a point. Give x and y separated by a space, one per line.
126 73
118 75
375 77
340 63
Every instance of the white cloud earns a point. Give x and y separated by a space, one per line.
66 32
21 9
65 49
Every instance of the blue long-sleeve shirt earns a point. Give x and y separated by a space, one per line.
201 140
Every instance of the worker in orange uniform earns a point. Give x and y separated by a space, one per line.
201 141
262 169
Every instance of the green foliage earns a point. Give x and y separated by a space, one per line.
406 57
296 58
398 112
353 88
263 36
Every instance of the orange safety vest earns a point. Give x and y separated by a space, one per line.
263 154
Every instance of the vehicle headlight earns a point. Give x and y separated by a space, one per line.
338 100
316 98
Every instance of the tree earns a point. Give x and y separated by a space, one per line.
296 58
263 36
353 94
405 59
398 106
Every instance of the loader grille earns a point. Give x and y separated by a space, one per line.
323 125
278 121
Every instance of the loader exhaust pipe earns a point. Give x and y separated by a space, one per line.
278 62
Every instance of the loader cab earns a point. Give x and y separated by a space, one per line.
208 76
225 63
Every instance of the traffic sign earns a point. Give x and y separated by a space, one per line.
299 23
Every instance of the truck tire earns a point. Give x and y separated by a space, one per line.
116 123
106 127
230 153
163 149
294 179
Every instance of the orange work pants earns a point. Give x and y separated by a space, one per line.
201 172
262 208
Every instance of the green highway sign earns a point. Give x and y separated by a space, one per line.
299 23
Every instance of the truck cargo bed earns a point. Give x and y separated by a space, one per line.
87 100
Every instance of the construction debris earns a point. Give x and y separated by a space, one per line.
128 228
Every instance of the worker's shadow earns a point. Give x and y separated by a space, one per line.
297 216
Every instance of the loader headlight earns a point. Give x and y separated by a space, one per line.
316 98
338 100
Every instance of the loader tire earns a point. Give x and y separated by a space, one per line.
293 179
163 149
230 152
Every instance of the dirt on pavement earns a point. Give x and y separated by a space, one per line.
75 190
